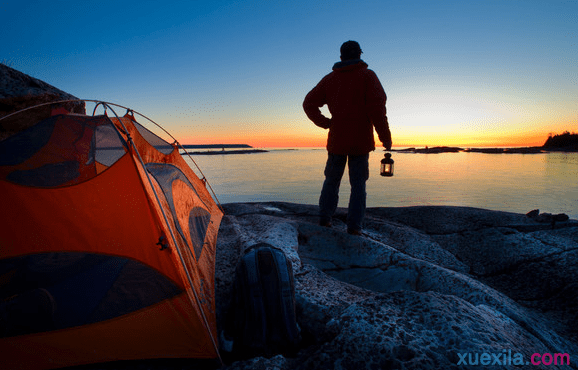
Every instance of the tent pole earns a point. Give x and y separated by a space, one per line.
98 102
189 278
132 144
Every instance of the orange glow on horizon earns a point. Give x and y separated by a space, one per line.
265 141
529 140
516 134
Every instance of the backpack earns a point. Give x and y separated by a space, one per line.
262 319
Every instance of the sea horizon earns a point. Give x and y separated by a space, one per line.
377 148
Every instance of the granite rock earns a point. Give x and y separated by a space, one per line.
19 91
422 288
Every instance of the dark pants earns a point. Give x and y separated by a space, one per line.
358 175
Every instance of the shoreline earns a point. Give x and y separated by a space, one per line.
223 152
247 149
433 150
522 150
535 219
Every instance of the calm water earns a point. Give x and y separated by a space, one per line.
507 182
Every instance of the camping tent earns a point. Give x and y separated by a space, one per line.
107 248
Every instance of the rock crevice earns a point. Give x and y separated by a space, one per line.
421 287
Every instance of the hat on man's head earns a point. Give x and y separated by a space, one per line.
350 50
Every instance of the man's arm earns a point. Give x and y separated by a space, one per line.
385 137
376 100
314 100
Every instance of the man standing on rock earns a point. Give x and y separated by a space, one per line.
356 101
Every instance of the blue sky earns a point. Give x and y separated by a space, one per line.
455 72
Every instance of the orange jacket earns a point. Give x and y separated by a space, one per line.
356 101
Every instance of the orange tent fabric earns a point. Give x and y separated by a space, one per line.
108 247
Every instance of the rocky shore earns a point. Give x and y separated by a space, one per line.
524 150
422 288
223 152
20 91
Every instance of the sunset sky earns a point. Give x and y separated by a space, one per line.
464 73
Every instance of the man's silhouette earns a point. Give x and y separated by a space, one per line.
356 101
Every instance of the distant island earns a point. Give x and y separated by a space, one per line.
447 149
239 149
565 142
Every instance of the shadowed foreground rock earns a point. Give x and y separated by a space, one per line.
423 287
19 91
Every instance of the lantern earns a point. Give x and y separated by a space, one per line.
387 165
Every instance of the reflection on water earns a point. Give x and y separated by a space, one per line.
508 182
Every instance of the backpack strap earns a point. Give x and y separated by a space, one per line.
287 292
251 260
